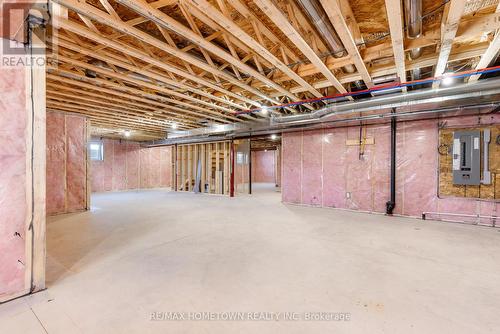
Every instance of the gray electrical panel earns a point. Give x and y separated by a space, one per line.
467 157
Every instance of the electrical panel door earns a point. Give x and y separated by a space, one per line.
467 157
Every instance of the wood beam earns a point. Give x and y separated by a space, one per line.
141 7
152 87
395 17
121 91
279 19
448 33
106 19
134 52
424 61
236 31
160 78
490 55
332 9
243 10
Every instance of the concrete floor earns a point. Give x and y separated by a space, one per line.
157 251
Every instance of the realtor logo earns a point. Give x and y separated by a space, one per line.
16 20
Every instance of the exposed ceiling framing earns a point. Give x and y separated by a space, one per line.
150 66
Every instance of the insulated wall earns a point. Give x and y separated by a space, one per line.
66 163
127 166
263 166
320 169
22 179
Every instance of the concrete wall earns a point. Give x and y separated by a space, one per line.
263 166
320 170
66 163
128 166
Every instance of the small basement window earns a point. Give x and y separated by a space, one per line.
96 151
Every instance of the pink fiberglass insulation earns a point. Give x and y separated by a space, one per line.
319 169
292 167
128 166
13 180
154 168
132 165
97 177
278 167
263 166
108 163
312 176
119 166
66 189
76 163
56 160
145 163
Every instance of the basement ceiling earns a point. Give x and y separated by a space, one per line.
160 66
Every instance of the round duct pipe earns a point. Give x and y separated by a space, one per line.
413 22
315 12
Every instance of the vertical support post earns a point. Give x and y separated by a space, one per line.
175 166
182 182
217 169
231 190
227 169
390 205
209 167
87 165
203 167
189 166
250 167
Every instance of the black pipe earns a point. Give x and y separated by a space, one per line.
250 167
390 205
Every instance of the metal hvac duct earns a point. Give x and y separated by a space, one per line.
317 15
413 23
482 93
414 98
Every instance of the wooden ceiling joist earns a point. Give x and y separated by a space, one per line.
117 109
276 15
145 65
148 95
151 74
153 87
133 52
81 81
160 18
455 9
338 21
490 54
395 18
106 19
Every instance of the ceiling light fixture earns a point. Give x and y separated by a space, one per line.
274 137
174 125
447 80
264 110
127 133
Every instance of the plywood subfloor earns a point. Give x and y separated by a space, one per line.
157 251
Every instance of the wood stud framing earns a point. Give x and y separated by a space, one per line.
190 62
214 159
